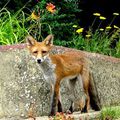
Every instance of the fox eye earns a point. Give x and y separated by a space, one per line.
35 52
44 51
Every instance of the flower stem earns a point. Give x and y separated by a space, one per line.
93 22
99 24
112 20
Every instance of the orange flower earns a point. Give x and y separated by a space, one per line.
50 7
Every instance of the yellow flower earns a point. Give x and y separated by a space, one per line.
101 29
75 26
34 16
80 30
116 14
115 26
108 27
96 14
88 35
102 18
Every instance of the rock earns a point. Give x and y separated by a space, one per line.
22 83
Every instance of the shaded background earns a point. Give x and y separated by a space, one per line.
88 7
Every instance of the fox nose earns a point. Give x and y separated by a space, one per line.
39 61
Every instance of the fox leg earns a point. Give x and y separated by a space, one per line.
82 102
59 106
59 103
72 83
86 79
55 98
71 108
88 103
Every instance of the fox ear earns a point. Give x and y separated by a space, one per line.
49 40
30 41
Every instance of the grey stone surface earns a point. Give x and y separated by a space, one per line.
106 76
76 116
22 83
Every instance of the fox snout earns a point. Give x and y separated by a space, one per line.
39 61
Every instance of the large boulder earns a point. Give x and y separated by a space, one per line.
23 86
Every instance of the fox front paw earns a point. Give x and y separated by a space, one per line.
51 114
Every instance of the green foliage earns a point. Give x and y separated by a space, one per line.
12 27
15 5
59 23
117 48
110 113
99 42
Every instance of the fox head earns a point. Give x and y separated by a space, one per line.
39 50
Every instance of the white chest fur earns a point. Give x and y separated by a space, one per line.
48 69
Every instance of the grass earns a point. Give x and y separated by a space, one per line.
98 43
12 27
110 113
107 113
102 40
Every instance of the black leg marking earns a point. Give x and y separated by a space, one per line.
71 107
59 106
53 105
84 110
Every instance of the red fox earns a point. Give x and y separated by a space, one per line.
58 67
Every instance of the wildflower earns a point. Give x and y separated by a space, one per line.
115 26
116 14
102 18
80 30
34 16
96 14
75 26
101 29
88 35
108 27
50 7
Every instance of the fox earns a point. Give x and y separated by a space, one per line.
58 67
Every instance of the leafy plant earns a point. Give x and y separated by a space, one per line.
12 27
95 43
57 21
99 41
110 113
58 18
15 5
